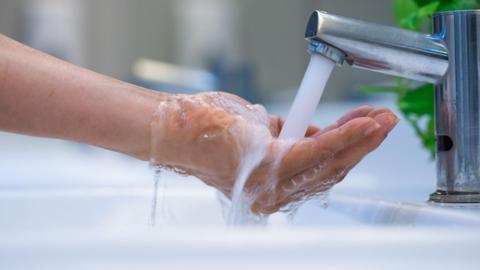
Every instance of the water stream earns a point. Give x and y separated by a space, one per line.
160 213
153 209
308 96
295 126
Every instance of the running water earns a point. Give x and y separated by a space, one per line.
308 97
255 139
255 142
295 127
302 111
160 213
153 209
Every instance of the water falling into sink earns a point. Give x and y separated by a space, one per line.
295 126
153 209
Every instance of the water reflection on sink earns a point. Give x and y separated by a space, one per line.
109 229
193 207
357 211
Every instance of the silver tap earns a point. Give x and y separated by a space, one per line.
449 58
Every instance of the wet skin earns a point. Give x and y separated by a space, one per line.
200 136
206 135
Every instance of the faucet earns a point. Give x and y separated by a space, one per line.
448 58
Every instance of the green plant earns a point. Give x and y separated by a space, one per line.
416 102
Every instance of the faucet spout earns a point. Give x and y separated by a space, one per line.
449 58
378 48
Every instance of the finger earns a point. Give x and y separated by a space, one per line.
312 130
260 208
313 150
298 196
355 153
324 176
330 174
379 111
267 203
265 207
345 135
361 111
356 113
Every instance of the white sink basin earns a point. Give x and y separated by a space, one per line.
55 213
108 229
345 210
199 207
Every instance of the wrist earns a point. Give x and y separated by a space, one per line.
143 106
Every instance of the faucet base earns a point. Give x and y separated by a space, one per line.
440 196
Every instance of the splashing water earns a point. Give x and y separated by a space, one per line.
153 209
301 113
159 201
240 213
237 211
308 97
255 141
291 210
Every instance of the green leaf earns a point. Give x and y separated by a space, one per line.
418 102
429 140
428 10
460 5
410 22
403 8
417 19
417 105
378 89
426 2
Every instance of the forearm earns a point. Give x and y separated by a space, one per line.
43 96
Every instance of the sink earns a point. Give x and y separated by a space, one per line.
347 210
199 207
108 228
86 208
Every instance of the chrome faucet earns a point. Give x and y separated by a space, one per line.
449 58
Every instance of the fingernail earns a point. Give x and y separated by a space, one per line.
387 120
371 129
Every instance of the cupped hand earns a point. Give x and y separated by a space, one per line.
213 136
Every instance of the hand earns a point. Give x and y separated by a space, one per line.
321 160
209 135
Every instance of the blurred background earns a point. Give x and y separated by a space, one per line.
252 48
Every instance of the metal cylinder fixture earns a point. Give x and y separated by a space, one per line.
457 109
449 58
379 48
